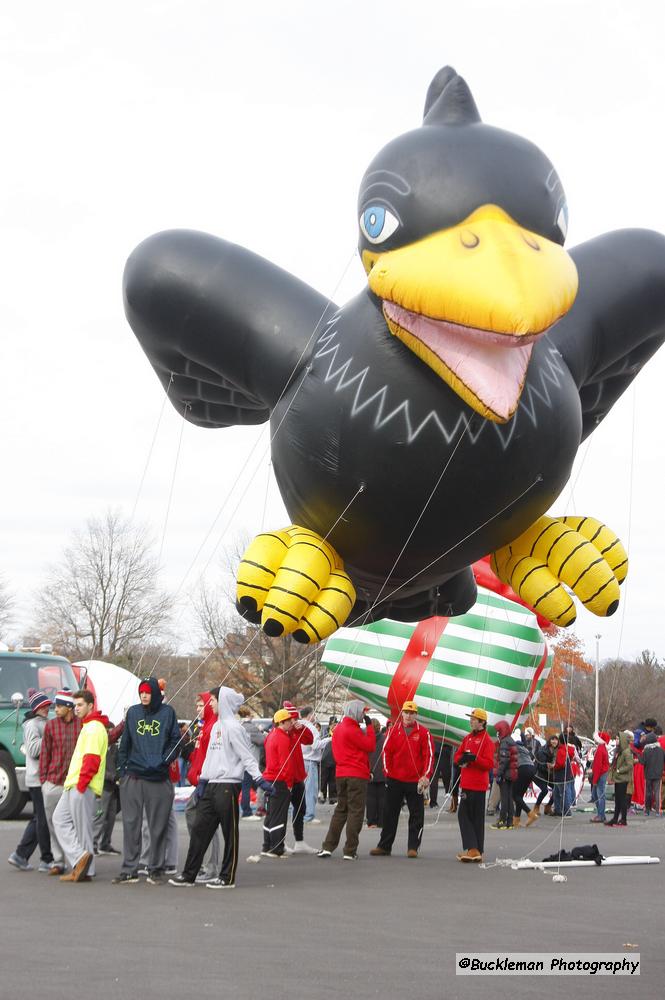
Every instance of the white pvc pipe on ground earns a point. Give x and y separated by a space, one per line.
617 860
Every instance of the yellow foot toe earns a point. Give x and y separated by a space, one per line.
293 582
578 553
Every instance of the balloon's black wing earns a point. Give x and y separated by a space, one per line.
225 330
618 320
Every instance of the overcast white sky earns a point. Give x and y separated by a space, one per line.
256 122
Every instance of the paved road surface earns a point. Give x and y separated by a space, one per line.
308 928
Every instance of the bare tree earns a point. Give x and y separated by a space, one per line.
629 692
103 599
267 671
6 606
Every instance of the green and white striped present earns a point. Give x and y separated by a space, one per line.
494 657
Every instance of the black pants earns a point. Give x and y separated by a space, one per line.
542 784
105 819
524 778
36 832
376 795
442 770
274 822
396 792
471 818
506 810
328 788
298 803
652 794
218 806
621 801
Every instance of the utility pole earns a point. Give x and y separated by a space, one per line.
595 717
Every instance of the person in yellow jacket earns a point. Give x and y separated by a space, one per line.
74 814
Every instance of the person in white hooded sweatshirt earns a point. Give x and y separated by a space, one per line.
229 755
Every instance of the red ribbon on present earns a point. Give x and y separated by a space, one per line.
414 663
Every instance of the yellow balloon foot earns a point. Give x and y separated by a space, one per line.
561 554
292 582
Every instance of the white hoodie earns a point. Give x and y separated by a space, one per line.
229 752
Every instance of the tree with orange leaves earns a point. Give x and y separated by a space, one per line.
557 698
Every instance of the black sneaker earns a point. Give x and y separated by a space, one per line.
143 871
155 878
323 853
124 878
220 883
107 850
179 880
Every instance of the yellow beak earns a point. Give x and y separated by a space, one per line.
484 289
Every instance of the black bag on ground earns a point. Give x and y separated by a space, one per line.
588 852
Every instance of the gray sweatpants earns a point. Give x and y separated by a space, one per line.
52 794
170 847
156 797
72 822
211 856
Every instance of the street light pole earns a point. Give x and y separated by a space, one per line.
598 638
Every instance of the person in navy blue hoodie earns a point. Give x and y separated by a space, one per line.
149 743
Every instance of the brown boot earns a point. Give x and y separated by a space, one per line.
379 852
411 853
453 804
516 823
56 870
80 869
533 815
548 809
473 855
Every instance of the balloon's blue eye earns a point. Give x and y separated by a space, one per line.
378 223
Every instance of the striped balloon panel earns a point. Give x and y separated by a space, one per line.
486 658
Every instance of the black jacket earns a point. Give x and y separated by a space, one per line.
150 740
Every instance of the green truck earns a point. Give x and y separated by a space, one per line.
19 672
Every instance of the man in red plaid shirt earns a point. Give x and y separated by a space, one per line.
58 742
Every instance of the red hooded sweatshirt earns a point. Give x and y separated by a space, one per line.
408 754
198 754
351 747
601 759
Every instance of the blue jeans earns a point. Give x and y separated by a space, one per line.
598 795
311 789
568 796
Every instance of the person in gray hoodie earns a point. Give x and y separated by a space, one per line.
37 831
228 756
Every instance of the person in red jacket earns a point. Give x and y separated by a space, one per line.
351 749
207 719
280 771
599 771
302 735
474 757
408 762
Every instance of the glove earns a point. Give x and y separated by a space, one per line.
467 758
200 789
367 720
266 786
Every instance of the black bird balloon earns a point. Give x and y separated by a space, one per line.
435 417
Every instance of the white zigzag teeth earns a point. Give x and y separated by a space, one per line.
340 374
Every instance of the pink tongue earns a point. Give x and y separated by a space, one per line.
493 367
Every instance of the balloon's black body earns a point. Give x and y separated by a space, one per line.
371 448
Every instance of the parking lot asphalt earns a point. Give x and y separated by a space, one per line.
309 928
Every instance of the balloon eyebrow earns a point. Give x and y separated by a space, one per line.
386 179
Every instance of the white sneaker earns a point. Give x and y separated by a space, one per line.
251 819
290 850
314 822
302 848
